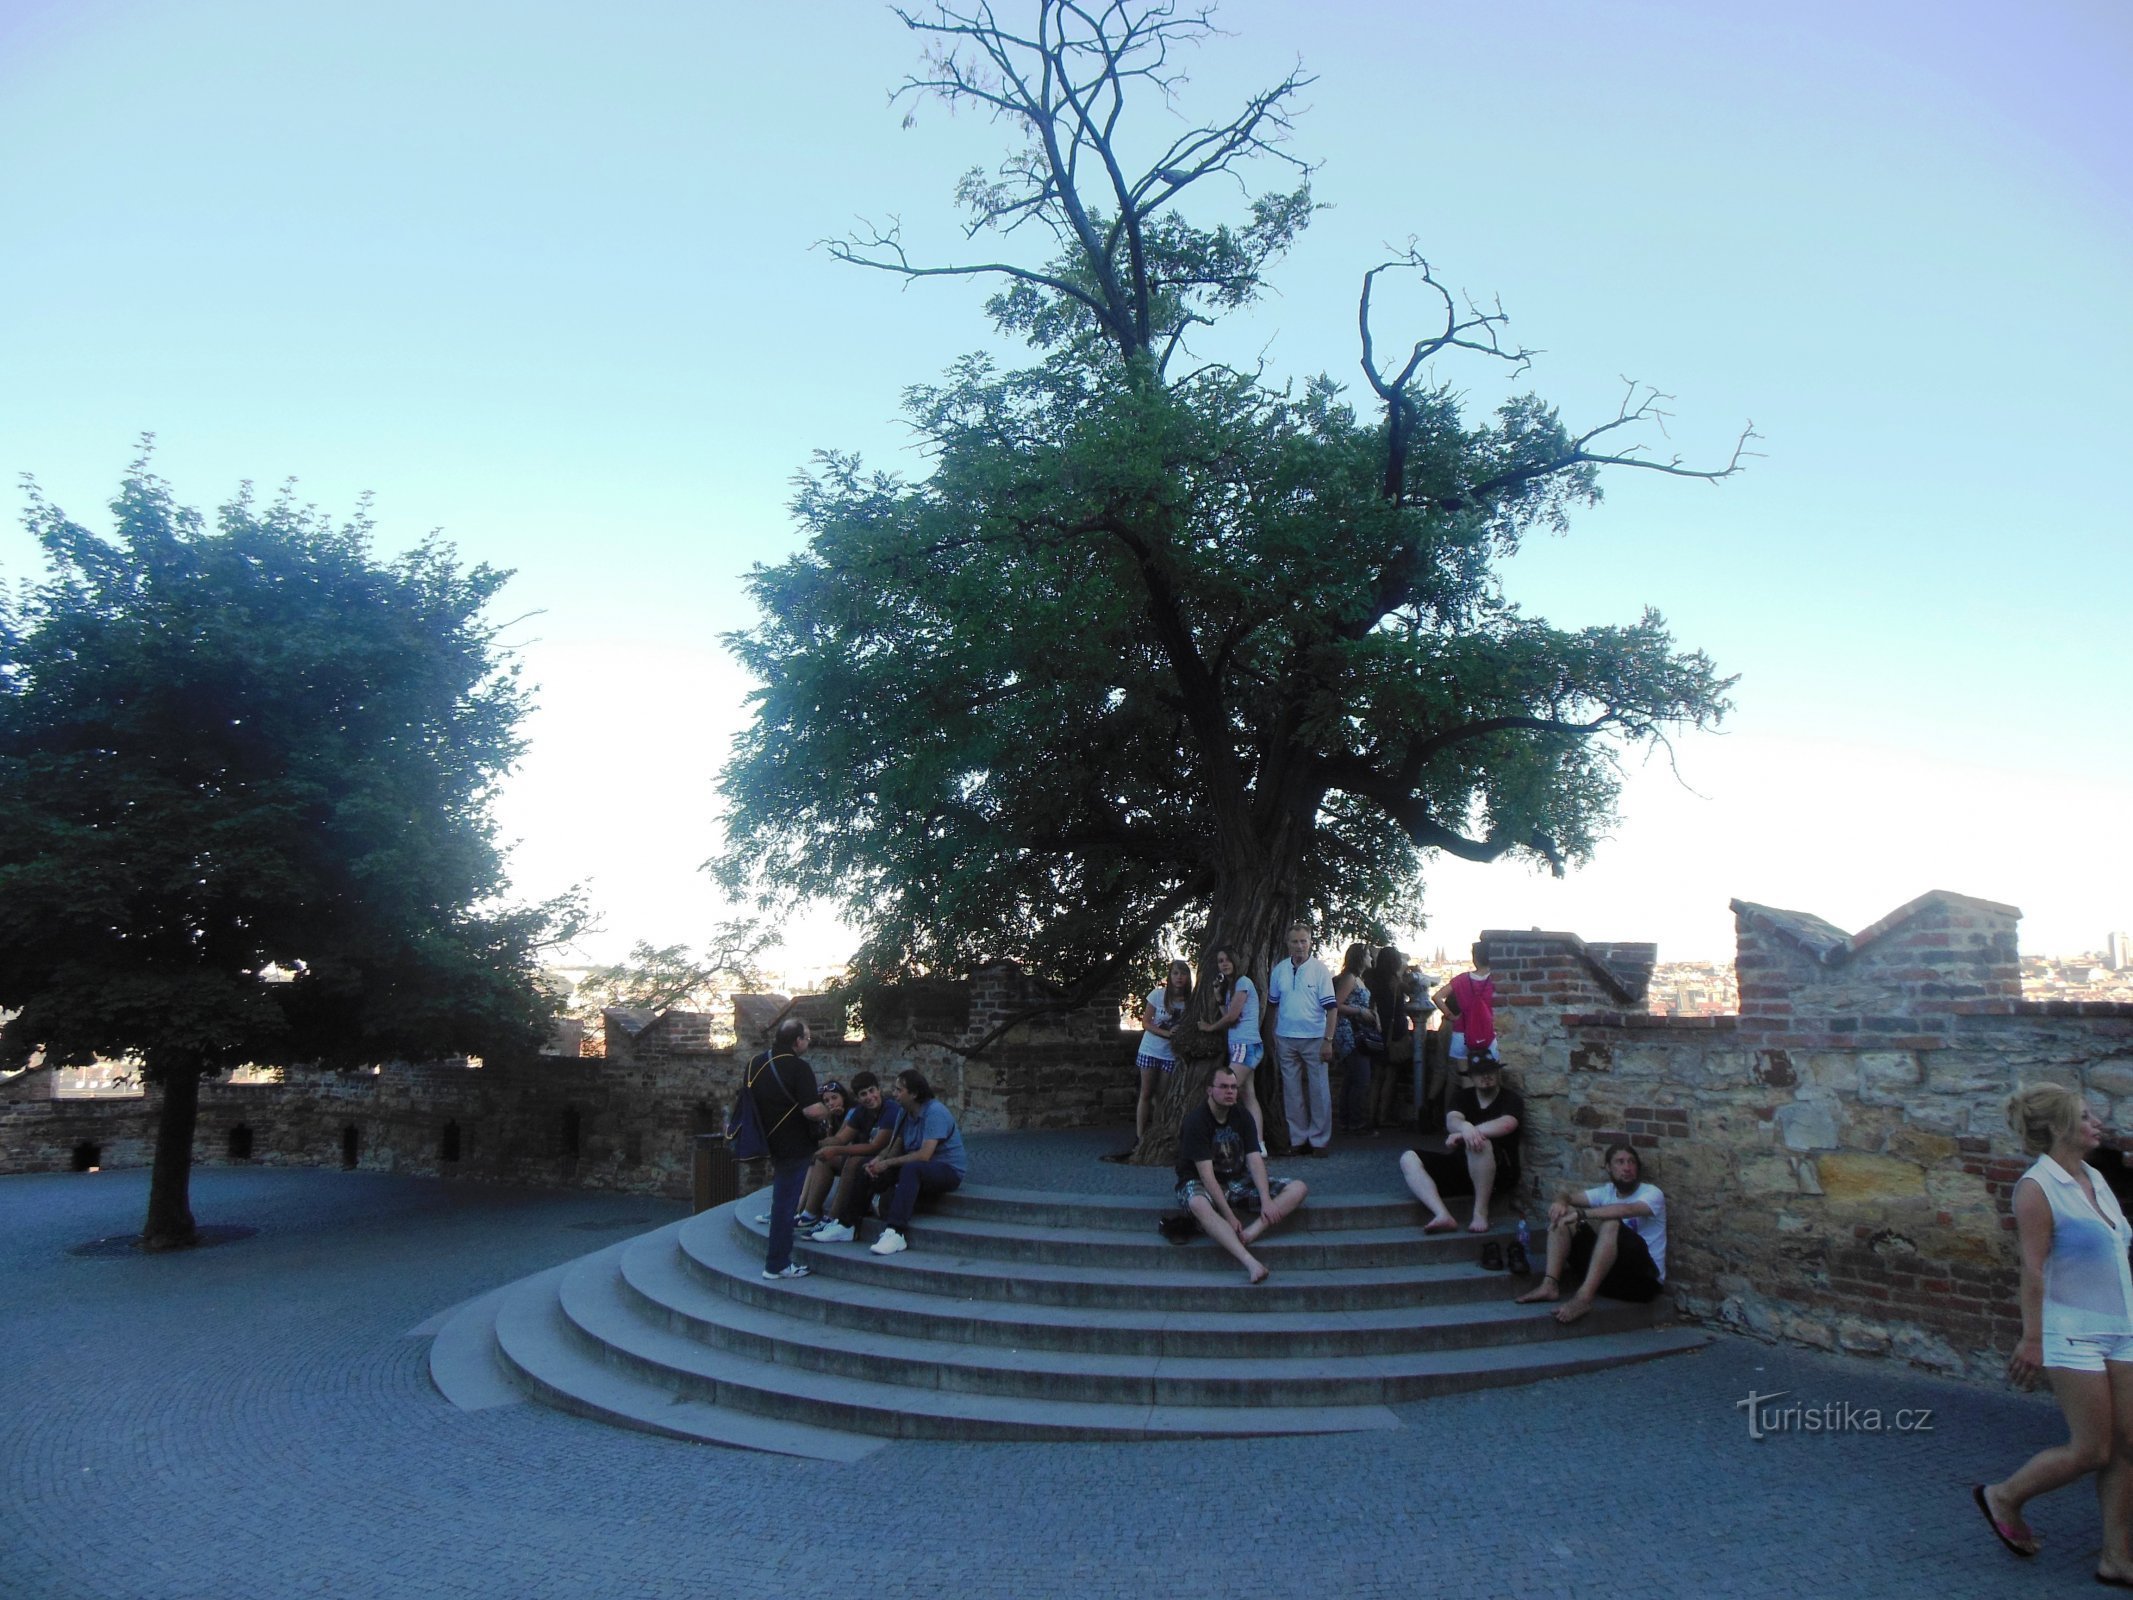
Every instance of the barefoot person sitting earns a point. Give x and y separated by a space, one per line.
1221 1171
1609 1239
1479 1153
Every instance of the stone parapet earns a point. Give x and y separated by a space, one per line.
621 1122
1836 1157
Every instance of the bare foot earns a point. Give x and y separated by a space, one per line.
1253 1230
1260 1275
1572 1309
1478 1225
1546 1289
1441 1223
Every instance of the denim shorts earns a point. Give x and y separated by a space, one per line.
2086 1352
1246 1057
1242 1193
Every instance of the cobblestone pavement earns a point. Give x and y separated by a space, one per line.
256 1419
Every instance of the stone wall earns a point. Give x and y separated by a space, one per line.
1836 1157
622 1122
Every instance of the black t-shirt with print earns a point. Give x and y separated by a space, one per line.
1223 1145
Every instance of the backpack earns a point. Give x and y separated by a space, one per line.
744 1123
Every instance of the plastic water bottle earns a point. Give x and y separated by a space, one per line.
1525 1239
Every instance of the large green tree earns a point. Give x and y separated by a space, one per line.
245 773
1156 642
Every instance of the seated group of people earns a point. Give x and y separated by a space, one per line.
1609 1239
1606 1240
833 1153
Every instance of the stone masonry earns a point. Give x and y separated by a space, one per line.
1836 1157
625 1122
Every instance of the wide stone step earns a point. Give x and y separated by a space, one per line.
1160 1282
1305 1360
1035 1208
728 1266
603 1320
1298 1250
546 1354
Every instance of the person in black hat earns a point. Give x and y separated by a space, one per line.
1479 1153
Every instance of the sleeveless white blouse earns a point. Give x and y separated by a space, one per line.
2088 1287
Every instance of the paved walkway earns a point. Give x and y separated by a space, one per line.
256 1419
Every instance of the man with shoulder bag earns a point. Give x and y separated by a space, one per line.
786 1106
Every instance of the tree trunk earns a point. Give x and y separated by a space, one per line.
1248 913
170 1223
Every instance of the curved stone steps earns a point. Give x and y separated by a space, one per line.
729 1262
543 1353
1003 1321
867 1396
1188 1358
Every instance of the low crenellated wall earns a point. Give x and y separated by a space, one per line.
1836 1157
624 1123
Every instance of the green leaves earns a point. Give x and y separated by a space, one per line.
1143 646
249 746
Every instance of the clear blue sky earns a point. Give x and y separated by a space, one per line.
541 275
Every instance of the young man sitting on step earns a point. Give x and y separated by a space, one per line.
1609 1239
1220 1170
862 1136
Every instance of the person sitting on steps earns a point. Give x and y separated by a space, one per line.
862 1134
1479 1153
1220 1170
931 1161
1609 1239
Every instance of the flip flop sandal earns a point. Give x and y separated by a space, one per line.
1999 1529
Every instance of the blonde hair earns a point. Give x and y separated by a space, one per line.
2041 1114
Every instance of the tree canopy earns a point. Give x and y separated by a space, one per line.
1155 644
245 773
659 977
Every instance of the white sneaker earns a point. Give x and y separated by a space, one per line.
762 1216
889 1243
833 1233
793 1271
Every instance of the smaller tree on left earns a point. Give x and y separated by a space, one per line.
245 776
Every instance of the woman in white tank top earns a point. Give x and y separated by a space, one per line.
2077 1325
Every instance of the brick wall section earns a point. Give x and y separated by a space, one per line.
1836 1158
624 1122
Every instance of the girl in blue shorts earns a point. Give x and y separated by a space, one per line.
1162 1014
1237 1011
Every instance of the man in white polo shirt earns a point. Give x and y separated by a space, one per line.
1300 990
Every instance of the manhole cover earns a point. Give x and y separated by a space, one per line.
609 1224
128 1244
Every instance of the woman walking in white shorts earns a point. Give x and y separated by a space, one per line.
2077 1325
